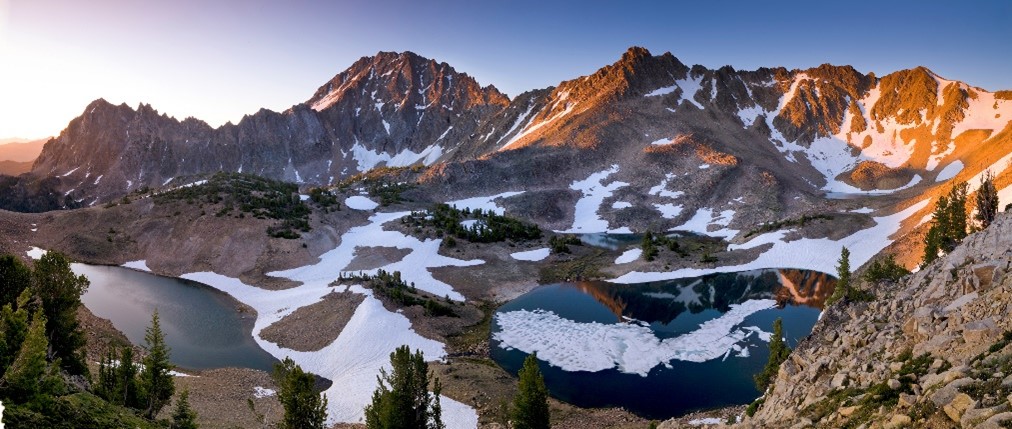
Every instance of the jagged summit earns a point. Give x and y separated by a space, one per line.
402 78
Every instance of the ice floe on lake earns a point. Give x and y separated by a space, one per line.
631 348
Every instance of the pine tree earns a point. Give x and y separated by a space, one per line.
530 405
15 277
126 392
183 417
402 399
304 407
957 215
843 286
156 382
778 354
60 291
932 244
987 200
13 329
30 376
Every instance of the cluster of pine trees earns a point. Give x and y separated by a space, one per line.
949 223
147 387
490 228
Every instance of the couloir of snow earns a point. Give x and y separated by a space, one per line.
531 255
632 348
585 218
817 254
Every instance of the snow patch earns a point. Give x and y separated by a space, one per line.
949 171
263 392
629 256
531 255
621 205
817 254
669 210
35 253
358 202
141 265
486 204
586 219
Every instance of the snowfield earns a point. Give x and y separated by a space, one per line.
817 254
531 255
632 348
585 218
359 202
629 256
354 359
486 204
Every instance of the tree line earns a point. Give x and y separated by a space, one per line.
949 220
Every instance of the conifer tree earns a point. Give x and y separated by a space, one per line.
987 200
13 329
21 379
530 405
156 382
843 286
304 407
778 354
957 215
60 291
402 399
126 392
15 277
183 417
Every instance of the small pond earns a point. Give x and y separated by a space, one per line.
659 349
203 326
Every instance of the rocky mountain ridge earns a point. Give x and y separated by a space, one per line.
928 351
763 145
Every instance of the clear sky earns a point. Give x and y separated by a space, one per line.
218 60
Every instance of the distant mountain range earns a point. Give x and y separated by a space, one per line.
802 133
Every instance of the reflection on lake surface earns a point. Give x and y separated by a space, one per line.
203 326
659 349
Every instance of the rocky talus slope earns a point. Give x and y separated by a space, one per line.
930 351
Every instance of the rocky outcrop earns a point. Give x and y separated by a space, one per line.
930 351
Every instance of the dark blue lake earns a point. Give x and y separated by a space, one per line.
569 324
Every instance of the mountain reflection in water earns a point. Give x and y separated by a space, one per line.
662 302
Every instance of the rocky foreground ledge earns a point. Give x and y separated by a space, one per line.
929 351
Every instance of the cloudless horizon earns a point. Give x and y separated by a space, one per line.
220 60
